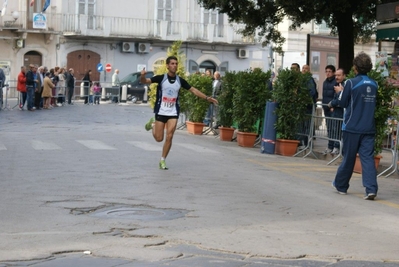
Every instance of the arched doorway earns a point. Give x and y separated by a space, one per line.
82 61
207 65
32 57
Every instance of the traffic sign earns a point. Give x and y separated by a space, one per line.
108 67
100 67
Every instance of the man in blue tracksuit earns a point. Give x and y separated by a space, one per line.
359 99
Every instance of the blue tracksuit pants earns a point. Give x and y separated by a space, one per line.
364 145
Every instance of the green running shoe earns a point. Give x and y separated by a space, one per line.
162 165
148 125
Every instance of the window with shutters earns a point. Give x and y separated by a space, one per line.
211 16
87 7
164 12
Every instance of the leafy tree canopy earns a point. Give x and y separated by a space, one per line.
352 21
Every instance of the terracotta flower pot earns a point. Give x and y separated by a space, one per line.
246 139
195 127
226 133
286 147
358 165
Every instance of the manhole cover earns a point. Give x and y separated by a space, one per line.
139 213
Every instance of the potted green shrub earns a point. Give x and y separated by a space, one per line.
384 109
197 107
249 100
291 93
226 107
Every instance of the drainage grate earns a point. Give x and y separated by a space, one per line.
138 213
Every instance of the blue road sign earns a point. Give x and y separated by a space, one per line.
100 67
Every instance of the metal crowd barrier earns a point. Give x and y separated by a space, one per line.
320 127
316 125
391 145
7 92
305 135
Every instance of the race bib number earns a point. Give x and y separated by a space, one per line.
168 102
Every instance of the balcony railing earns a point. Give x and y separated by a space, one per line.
100 26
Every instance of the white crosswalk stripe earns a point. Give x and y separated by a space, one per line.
197 149
146 146
99 145
42 145
95 145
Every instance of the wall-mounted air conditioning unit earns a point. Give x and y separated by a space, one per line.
143 48
127 47
242 53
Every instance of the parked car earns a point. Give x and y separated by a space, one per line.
135 89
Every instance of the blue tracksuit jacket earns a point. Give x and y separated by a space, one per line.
359 99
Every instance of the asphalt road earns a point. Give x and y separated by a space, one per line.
80 186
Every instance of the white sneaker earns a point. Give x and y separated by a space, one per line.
327 151
370 196
335 151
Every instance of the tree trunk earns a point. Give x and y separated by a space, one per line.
346 40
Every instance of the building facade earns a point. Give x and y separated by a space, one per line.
127 35
130 35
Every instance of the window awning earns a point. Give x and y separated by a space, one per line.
388 32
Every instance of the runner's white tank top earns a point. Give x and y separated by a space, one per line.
170 92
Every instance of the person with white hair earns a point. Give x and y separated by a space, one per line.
39 87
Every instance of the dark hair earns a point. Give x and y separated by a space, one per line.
343 70
88 72
331 67
170 58
362 63
296 64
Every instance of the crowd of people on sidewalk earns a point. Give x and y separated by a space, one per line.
41 88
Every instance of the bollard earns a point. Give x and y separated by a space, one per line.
103 94
82 90
124 93
145 96
269 132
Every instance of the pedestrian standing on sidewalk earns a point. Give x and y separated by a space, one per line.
2 83
358 97
21 87
167 104
97 93
70 84
116 84
39 87
47 93
328 95
61 87
87 83
336 110
31 84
